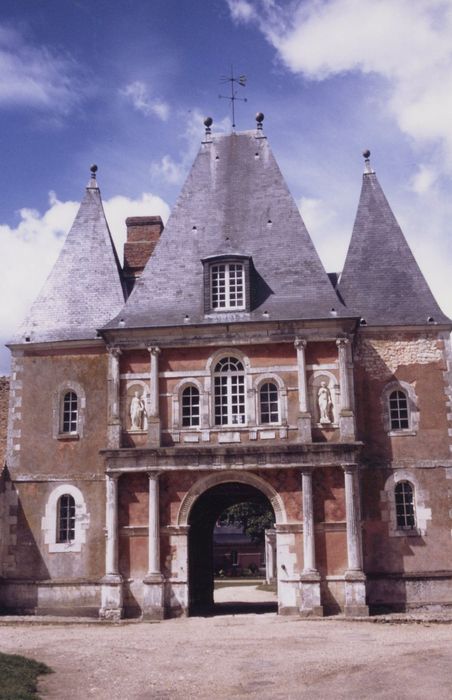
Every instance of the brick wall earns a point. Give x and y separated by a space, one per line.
4 396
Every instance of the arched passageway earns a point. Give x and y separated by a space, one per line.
202 518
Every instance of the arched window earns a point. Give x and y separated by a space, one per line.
404 501
66 518
398 410
190 407
69 413
269 403
229 391
227 285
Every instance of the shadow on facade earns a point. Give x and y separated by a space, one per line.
203 517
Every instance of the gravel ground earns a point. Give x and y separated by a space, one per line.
239 656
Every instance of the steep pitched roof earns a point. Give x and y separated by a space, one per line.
381 278
235 202
84 288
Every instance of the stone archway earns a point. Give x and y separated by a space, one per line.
200 510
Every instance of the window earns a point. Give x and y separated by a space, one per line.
229 391
404 502
227 284
69 413
398 410
66 518
269 403
190 407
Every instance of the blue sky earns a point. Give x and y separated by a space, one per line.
126 85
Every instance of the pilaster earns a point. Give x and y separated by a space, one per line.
304 416
153 410
114 421
346 417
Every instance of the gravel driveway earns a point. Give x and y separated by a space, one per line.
242 656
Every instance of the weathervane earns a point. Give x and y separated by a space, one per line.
241 80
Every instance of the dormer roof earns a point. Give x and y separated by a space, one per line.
84 289
381 278
234 202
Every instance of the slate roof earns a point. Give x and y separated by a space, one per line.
234 189
381 278
84 289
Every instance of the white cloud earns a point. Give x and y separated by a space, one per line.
37 76
407 43
424 179
174 171
138 92
29 250
327 230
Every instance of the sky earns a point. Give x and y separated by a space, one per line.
127 84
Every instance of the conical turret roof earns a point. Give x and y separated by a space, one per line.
84 288
234 202
381 278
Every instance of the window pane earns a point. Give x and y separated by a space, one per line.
69 413
66 519
229 390
404 500
227 286
190 407
398 410
269 403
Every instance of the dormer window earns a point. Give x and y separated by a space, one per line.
226 283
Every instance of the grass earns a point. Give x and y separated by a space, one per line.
19 677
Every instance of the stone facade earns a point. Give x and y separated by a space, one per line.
125 443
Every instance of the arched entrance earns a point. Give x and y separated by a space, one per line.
201 510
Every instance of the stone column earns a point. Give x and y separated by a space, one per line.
310 579
153 603
346 418
114 421
304 417
355 580
153 405
111 590
270 555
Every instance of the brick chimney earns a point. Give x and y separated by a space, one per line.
143 232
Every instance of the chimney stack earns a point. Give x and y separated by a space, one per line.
143 233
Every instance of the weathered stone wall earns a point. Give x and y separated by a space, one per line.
4 400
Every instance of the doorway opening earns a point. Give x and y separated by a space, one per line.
222 576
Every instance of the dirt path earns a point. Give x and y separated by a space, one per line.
247 656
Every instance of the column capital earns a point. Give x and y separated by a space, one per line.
306 470
342 342
300 343
349 468
114 476
114 350
154 350
153 475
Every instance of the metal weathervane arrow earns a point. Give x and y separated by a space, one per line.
234 81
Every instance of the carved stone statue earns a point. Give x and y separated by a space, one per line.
325 403
137 412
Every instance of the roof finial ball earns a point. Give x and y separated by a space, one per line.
259 120
208 121
366 155
93 170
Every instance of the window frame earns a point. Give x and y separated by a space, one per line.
413 415
402 508
50 520
266 383
230 263
398 406
191 388
65 526
71 411
233 288
59 393
232 396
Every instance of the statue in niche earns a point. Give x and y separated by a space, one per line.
325 403
137 412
